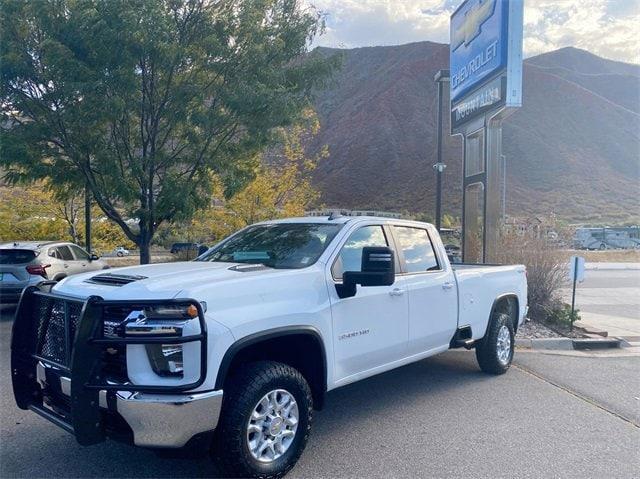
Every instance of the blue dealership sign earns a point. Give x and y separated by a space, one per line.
486 42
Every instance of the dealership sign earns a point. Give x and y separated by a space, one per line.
484 99
486 44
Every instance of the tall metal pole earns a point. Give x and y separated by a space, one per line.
439 150
87 218
440 78
504 190
573 294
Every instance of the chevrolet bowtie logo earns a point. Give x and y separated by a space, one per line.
471 24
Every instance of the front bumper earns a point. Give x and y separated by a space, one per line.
60 371
153 420
169 420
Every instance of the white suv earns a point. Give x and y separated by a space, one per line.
27 262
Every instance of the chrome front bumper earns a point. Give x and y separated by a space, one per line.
157 420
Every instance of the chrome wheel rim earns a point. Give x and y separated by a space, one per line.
504 345
272 425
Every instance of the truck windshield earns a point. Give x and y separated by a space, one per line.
281 245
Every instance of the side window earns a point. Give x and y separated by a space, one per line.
79 253
54 253
417 249
350 257
65 253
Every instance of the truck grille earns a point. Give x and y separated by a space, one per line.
56 321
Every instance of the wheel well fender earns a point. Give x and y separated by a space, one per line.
301 347
507 303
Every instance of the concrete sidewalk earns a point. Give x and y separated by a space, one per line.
609 299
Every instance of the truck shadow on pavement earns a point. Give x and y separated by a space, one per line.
39 449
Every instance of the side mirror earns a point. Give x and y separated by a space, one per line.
93 257
378 269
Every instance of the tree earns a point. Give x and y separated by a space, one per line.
26 213
146 101
36 213
281 187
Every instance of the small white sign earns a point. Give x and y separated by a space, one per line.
576 268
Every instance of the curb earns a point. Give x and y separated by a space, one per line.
567 344
592 343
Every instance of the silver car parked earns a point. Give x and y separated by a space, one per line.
24 263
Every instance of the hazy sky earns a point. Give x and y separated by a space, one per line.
608 28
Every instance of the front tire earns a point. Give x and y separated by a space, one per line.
265 421
495 351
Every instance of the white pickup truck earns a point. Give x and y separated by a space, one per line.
235 349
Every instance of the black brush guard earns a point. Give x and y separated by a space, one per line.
80 356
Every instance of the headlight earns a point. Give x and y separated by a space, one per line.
166 359
163 321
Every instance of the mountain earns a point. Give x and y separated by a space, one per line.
572 149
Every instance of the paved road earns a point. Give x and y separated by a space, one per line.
609 300
549 416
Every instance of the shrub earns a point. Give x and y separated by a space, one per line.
562 316
546 270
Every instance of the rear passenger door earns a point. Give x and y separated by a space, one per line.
433 301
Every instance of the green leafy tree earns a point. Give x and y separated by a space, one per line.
145 101
281 187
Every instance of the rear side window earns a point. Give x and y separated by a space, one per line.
417 249
16 256
65 253
350 257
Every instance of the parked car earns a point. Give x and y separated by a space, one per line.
178 247
24 263
242 344
121 251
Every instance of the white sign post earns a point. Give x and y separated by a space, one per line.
576 274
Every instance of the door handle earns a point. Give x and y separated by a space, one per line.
66 265
396 292
447 285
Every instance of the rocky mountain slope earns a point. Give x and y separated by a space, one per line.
572 149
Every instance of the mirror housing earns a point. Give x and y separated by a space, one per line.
93 257
378 269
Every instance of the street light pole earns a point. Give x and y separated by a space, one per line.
87 218
441 77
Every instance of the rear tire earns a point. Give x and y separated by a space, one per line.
495 351
238 438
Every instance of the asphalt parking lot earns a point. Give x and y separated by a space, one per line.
549 416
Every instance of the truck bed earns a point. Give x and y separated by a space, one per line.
479 285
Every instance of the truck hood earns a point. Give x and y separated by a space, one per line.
155 281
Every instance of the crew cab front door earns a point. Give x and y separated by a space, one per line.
370 329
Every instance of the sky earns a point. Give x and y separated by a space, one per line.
608 28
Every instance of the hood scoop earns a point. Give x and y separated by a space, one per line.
114 279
